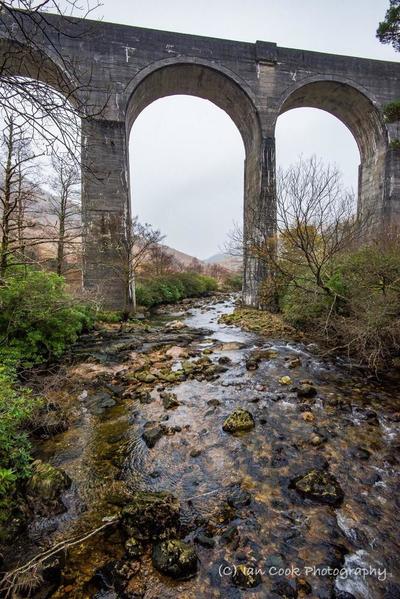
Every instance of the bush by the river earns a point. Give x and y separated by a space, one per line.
38 320
357 311
38 317
172 288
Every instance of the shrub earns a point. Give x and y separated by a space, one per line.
360 308
17 406
172 288
38 318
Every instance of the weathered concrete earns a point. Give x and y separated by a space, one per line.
131 67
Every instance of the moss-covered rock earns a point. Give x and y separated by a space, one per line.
175 558
239 420
258 356
45 487
320 486
306 390
246 576
151 516
169 400
134 548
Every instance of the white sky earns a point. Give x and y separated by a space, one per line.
187 155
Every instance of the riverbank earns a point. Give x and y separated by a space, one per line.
155 450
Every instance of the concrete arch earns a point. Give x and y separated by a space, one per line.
218 85
348 102
202 79
359 112
41 65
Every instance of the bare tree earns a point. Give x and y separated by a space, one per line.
317 220
64 211
31 85
132 251
18 193
159 261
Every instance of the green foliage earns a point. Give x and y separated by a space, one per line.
38 319
172 288
110 317
395 144
360 308
391 111
234 282
388 31
17 406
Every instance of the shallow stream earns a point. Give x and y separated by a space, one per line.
352 429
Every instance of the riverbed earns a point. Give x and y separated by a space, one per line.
300 546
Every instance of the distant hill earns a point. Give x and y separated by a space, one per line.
185 259
233 263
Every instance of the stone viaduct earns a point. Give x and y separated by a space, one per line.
253 83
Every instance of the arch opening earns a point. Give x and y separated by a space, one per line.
227 93
197 154
362 118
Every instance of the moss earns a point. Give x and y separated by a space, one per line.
239 420
151 516
258 321
319 486
175 558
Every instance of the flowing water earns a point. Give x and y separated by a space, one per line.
306 543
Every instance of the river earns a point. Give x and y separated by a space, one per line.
301 547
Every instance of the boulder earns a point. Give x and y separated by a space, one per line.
169 400
319 486
175 558
246 576
45 487
306 390
239 420
151 516
153 431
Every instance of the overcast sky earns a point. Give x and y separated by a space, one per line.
187 155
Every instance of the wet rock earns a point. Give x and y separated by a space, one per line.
275 561
134 548
258 356
281 454
284 589
175 558
239 420
319 486
51 422
224 360
360 453
151 516
246 576
294 363
45 487
343 595
308 416
194 453
316 440
169 400
152 433
392 591
306 390
98 403
214 403
175 325
144 397
239 498
230 535
204 540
